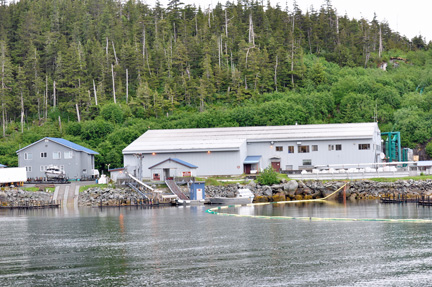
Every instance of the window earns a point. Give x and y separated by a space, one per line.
43 154
68 154
290 149
315 147
28 156
289 167
364 146
62 168
279 148
84 171
303 148
42 168
307 162
28 168
334 147
56 155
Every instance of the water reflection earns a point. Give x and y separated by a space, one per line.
335 210
188 247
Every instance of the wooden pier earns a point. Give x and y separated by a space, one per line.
30 205
403 198
389 197
424 200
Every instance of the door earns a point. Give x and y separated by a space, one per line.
166 173
247 168
276 165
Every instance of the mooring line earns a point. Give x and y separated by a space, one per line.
216 211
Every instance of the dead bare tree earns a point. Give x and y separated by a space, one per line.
95 94
115 54
251 38
22 111
275 73
127 86
292 50
380 49
78 113
54 94
113 82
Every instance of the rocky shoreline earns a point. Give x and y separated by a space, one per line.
287 190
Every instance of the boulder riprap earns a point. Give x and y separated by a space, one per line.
359 189
107 197
18 197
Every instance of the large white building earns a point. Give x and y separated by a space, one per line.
238 150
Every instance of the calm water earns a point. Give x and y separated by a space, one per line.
177 246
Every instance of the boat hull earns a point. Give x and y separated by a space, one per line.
230 201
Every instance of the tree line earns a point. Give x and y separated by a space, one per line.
101 72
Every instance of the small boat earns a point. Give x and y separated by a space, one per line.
54 172
244 196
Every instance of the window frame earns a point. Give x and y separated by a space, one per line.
58 153
300 149
290 149
69 153
279 148
314 147
338 147
364 146
28 156
307 162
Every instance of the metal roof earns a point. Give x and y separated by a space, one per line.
179 161
232 138
64 142
116 169
424 163
252 159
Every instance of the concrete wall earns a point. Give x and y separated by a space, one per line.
73 167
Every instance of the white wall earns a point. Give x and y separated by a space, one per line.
231 162
214 163
348 155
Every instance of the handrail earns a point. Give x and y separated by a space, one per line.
137 190
139 181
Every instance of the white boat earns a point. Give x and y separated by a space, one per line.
244 196
53 172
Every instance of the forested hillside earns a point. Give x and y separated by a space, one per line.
102 72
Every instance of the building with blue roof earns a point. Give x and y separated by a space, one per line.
76 161
172 167
248 150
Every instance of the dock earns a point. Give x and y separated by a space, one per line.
403 198
31 205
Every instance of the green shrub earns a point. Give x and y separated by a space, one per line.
429 149
268 176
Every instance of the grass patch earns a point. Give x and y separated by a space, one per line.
85 187
33 189
282 176
212 181
393 179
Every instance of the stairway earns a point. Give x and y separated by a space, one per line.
175 189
